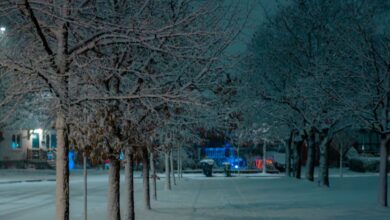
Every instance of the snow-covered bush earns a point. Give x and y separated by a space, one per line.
364 164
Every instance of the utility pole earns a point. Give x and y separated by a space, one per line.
85 184
238 159
264 157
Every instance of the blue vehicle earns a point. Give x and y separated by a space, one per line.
225 154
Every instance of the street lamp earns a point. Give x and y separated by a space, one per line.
264 156
2 29
2 33
264 129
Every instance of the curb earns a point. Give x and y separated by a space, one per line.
27 181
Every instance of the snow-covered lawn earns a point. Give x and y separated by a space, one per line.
195 197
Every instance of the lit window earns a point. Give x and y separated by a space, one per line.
16 142
35 140
53 141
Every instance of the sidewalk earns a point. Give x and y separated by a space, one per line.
8 176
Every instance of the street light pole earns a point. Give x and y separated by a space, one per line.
85 185
238 159
264 157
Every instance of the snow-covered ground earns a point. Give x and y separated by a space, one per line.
15 175
244 197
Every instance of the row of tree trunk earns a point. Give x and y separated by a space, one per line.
294 160
148 161
295 146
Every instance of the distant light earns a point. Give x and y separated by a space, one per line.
71 164
2 29
15 145
38 131
236 166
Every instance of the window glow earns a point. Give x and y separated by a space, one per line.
38 131
16 142
35 140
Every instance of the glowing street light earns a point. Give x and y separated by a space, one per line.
2 32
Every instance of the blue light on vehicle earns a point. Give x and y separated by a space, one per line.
236 166
71 161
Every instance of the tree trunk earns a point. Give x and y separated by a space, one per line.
383 171
85 186
129 185
113 205
154 176
181 163
324 164
298 159
288 153
62 161
62 170
310 156
172 167
178 162
167 172
341 161
145 175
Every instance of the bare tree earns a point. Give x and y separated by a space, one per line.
75 40
343 142
307 91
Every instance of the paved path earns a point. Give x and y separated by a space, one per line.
271 198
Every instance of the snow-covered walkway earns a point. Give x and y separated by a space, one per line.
264 198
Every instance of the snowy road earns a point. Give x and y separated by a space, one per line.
209 199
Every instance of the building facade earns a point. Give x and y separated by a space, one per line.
25 148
